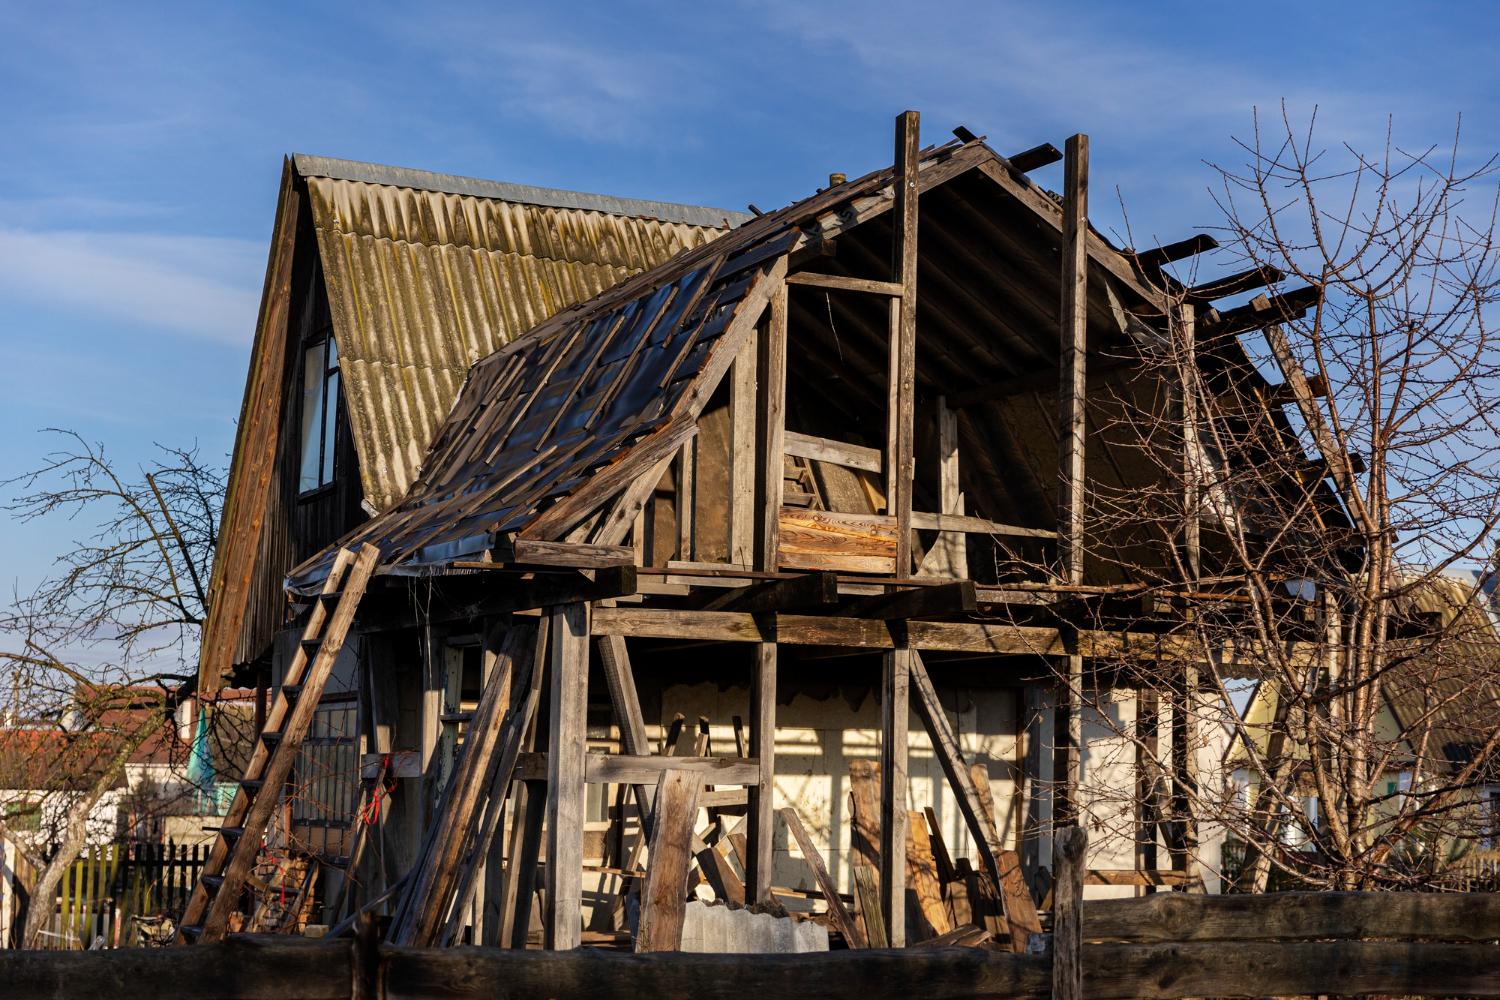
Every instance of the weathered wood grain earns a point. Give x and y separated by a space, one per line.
664 896
825 539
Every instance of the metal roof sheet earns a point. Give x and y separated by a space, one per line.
423 282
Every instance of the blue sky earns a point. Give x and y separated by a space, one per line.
140 147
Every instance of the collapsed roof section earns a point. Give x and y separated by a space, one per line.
550 428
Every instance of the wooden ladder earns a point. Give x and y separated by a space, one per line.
229 864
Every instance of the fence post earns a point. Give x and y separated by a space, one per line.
1068 849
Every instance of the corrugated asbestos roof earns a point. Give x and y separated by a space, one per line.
427 273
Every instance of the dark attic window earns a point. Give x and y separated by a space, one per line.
320 407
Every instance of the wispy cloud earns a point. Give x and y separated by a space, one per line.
198 286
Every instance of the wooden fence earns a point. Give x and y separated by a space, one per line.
110 895
1165 946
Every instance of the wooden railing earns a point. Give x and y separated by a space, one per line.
1164 946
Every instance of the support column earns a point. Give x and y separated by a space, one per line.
901 398
770 420
1073 386
566 747
762 826
894 732
1146 750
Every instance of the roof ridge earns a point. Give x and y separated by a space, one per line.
309 165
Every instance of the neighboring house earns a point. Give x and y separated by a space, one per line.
741 487
1435 713
45 771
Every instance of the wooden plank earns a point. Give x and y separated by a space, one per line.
1036 157
836 909
1176 916
566 750
922 876
1136 877
853 456
1068 848
949 555
829 540
664 897
255 451
867 896
742 410
1158 257
622 769
770 420
578 555
760 857
926 521
838 282
491 748
903 373
895 737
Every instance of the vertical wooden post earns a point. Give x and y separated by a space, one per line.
949 555
894 734
762 826
1191 461
900 460
1069 846
1184 776
742 407
566 747
1146 750
1030 829
771 429
686 481
1073 316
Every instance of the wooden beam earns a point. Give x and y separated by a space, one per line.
254 461
759 864
895 736
576 555
770 430
853 456
917 602
803 591
902 401
995 638
974 525
951 553
1073 389
836 909
664 897
621 769
1072 425
1234 284
566 749
1035 158
838 282
742 406
1260 312
1159 257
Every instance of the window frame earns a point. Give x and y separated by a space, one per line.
332 375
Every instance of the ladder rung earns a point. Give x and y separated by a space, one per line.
252 785
332 597
271 737
291 691
311 647
231 833
213 881
193 931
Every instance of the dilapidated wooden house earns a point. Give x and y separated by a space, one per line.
559 523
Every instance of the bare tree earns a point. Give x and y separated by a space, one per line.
1307 530
99 654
